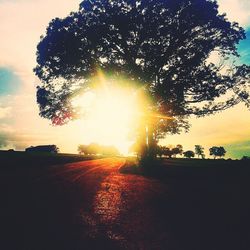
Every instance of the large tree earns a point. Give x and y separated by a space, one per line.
164 45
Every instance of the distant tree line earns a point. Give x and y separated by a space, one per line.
43 149
96 149
169 152
173 151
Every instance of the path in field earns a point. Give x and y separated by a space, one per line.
116 207
91 205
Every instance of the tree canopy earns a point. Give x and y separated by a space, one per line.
164 45
189 154
217 151
43 149
169 151
199 150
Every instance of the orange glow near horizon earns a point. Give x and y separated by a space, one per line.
113 112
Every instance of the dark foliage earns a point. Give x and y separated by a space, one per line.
217 151
199 150
189 154
245 158
163 45
169 152
43 149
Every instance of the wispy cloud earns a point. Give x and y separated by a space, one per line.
5 112
10 83
13 141
20 138
236 10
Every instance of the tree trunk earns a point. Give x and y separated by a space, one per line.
150 152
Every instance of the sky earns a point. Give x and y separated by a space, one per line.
22 22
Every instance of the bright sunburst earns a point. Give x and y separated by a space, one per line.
112 114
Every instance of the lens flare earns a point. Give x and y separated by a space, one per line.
113 110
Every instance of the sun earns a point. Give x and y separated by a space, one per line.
112 114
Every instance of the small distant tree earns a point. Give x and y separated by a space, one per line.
167 152
217 151
82 149
221 152
180 147
178 150
245 158
189 154
199 151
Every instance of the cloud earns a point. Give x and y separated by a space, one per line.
236 10
3 140
10 140
10 83
5 112
20 138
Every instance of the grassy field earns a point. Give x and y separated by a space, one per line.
25 159
207 199
195 204
178 167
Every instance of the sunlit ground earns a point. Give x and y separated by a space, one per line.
112 114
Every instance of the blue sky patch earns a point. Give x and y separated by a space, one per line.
238 150
9 82
244 49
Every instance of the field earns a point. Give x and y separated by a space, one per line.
23 159
72 202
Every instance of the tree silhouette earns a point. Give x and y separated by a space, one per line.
43 149
245 158
177 150
199 150
96 149
189 154
217 151
168 151
82 149
163 45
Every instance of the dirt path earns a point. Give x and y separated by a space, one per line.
116 209
91 205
